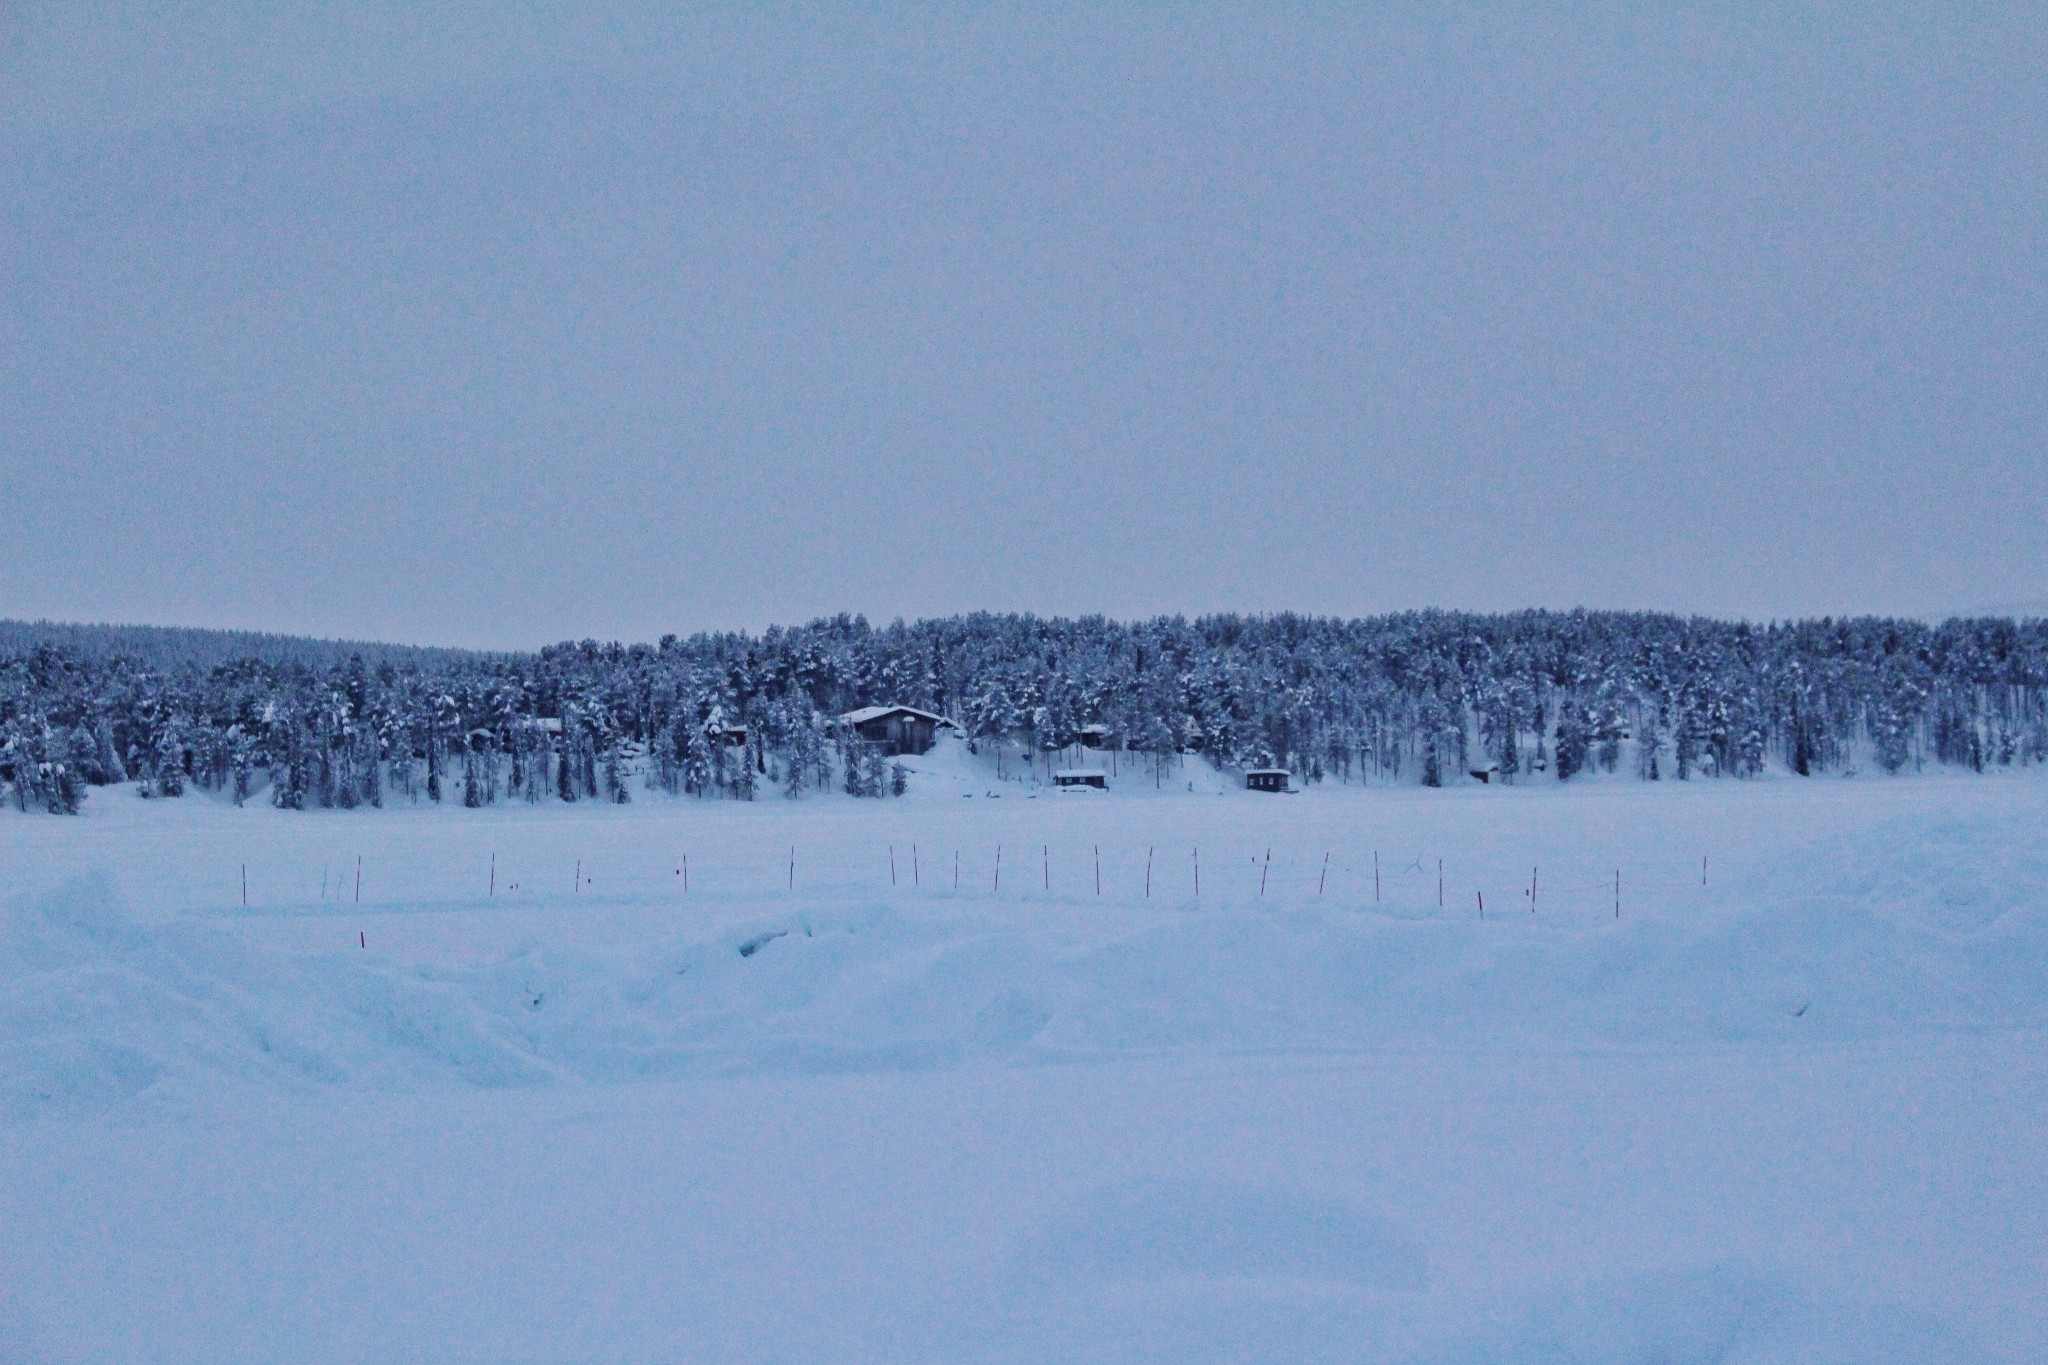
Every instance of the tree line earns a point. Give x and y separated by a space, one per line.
1430 697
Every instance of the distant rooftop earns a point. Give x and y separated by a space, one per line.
868 713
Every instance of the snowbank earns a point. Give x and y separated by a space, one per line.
1887 933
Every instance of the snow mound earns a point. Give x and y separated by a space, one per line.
96 1007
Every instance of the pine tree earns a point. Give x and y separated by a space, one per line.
22 753
821 753
167 761
66 787
106 753
241 765
1572 741
290 773
70 780
370 767
853 771
565 765
696 761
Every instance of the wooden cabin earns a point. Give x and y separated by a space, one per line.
897 729
1266 780
1077 779
1094 736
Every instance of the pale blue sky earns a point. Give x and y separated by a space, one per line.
496 328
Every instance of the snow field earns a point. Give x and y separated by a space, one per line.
1782 1116
1910 922
1450 1205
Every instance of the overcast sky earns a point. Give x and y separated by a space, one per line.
495 328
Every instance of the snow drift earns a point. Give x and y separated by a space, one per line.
1947 931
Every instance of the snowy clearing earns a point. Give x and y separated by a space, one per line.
530 1098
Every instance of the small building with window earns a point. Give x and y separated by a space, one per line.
1093 736
1266 780
1081 779
897 729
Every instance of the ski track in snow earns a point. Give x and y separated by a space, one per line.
529 1098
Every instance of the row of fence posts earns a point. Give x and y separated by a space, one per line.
1045 855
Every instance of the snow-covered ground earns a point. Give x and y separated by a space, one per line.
525 1097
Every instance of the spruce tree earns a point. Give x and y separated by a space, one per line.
565 765
617 789
1572 740
853 768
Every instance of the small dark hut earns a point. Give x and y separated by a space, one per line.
1266 780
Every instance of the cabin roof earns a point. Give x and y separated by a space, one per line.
868 713
1266 772
1078 774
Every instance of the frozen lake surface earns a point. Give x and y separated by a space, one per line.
523 1096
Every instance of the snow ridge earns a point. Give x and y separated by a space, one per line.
97 1007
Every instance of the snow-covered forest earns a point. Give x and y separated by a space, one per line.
1427 697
